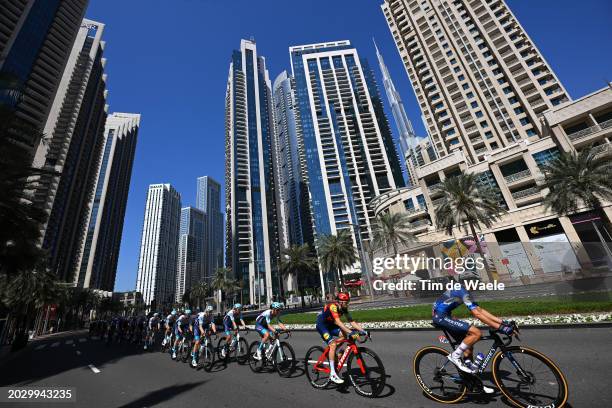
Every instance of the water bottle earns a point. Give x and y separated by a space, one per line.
478 360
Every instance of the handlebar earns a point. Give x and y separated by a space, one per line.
287 333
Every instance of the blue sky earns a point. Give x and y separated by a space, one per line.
169 61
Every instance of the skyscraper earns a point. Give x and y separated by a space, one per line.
479 79
35 43
192 245
252 235
209 201
71 157
350 157
159 245
407 137
97 263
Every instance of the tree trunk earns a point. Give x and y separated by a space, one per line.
340 275
297 287
481 252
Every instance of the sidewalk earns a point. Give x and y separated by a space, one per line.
6 354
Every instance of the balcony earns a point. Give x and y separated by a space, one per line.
602 150
531 191
415 211
482 150
434 187
420 224
590 130
517 176
438 201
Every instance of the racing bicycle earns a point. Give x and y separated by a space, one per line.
276 353
206 353
364 368
238 348
526 377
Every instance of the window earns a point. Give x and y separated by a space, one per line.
465 86
507 90
451 132
518 110
454 142
461 77
551 91
501 81
494 146
536 71
453 61
556 101
486 54
443 114
435 97
474 104
457 69
438 105
469 95
449 53
524 121
445 46
512 100
543 157
531 132
479 114
484 125
488 134
446 122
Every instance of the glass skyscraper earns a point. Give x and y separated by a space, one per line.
252 234
190 269
209 201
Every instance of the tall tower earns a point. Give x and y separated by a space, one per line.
350 157
407 137
71 157
98 257
36 41
159 245
252 235
190 269
479 79
209 201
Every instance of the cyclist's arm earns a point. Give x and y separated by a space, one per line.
342 326
486 317
201 328
213 326
242 323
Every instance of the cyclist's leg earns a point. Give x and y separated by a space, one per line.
464 333
265 335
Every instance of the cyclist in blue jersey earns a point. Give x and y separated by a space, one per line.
203 323
263 325
153 328
169 325
461 330
230 326
180 330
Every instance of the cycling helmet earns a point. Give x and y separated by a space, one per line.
276 305
155 314
343 296
188 311
173 313
209 308
238 306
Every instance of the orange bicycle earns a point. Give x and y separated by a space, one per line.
364 368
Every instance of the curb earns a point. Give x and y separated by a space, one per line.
525 327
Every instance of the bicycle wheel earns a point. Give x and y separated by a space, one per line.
256 365
318 374
529 379
207 357
367 373
438 377
242 351
284 360
222 345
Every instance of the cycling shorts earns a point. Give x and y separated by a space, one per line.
327 331
457 328
261 329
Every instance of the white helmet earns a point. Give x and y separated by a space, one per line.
209 308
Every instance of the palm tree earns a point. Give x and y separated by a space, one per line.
578 179
336 252
466 204
199 291
297 260
219 283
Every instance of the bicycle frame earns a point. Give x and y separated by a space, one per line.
351 348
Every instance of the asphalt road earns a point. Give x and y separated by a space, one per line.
129 377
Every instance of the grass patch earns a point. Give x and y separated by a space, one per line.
503 308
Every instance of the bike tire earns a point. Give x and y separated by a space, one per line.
513 392
256 365
286 366
362 382
430 391
318 379
242 351
208 357
220 345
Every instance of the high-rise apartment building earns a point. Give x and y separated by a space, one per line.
36 41
159 245
349 154
71 156
97 263
209 201
252 234
191 249
479 79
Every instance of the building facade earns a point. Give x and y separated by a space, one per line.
71 157
209 201
159 245
191 266
97 263
349 154
35 44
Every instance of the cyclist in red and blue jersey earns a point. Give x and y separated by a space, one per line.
332 330
462 330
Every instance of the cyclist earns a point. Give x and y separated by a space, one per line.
202 325
229 325
332 330
461 330
169 325
263 325
154 326
180 330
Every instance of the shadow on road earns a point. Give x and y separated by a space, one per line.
155 397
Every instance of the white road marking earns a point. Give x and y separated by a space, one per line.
94 369
69 342
42 346
78 353
57 343
82 340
